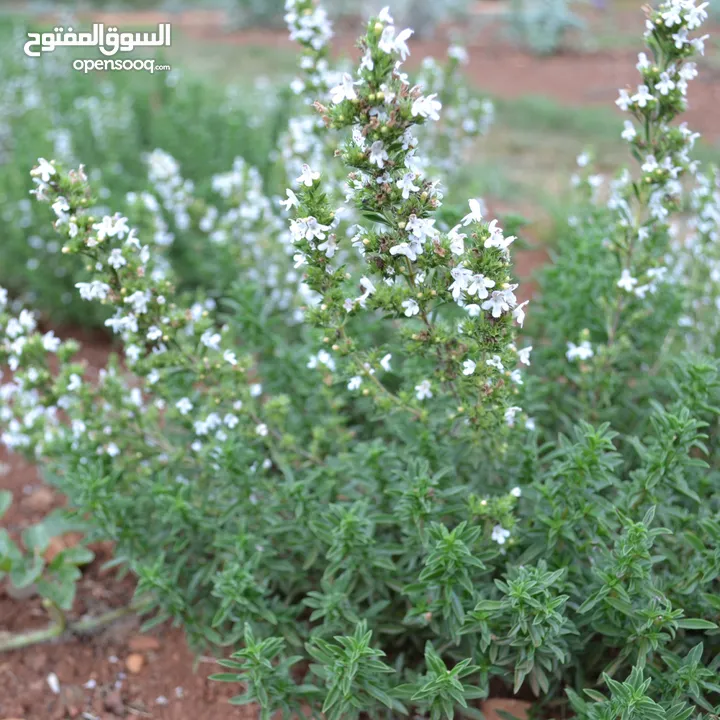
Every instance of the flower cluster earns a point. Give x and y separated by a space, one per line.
359 488
163 340
695 262
451 291
663 150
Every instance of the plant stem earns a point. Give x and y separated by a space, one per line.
64 629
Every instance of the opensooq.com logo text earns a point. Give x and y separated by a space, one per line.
108 41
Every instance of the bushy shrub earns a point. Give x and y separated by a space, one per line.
51 110
165 148
358 504
542 25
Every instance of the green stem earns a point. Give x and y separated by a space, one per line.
61 628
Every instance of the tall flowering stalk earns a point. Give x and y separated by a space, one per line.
610 303
643 206
451 292
695 263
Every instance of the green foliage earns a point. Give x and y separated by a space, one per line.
24 565
111 121
356 504
542 25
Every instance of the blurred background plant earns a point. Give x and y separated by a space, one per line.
543 26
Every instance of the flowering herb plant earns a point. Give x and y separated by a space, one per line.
358 506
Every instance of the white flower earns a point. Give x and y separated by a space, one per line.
115 226
50 342
385 362
292 200
406 184
60 208
411 307
516 492
389 44
629 133
643 96
184 406
44 169
366 63
211 340
583 159
524 355
345 90
479 285
475 214
139 301
516 377
423 391
510 414
401 43
307 176
94 290
261 429
330 246
519 313
497 239
459 53
112 450
469 367
354 382
624 100
154 333
427 107
116 259
378 154
666 85
497 303
500 534
409 250
230 420
230 357
75 383
457 241
583 351
627 281
643 62
421 228
385 16
461 280
255 390
495 362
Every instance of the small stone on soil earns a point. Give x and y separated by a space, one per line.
134 663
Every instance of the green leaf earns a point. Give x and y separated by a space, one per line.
696 624
5 501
